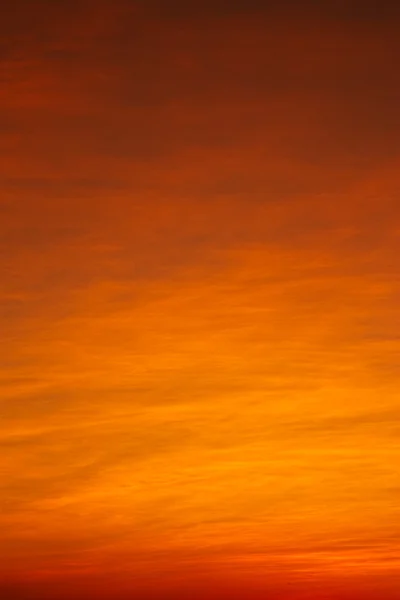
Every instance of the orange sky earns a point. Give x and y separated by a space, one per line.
199 300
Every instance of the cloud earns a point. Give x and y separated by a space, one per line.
199 365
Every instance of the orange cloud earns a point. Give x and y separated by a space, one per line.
199 367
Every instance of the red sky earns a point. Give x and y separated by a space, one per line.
199 300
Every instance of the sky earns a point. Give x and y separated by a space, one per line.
199 300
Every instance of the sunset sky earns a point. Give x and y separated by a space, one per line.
200 300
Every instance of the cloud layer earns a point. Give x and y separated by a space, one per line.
199 306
